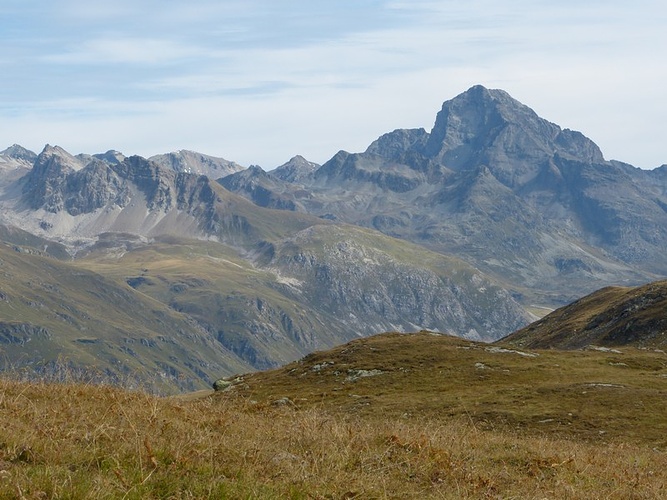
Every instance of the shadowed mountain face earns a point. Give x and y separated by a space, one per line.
611 317
535 205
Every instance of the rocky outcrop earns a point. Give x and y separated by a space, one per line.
21 333
44 185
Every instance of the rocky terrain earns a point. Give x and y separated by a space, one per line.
535 205
264 286
463 229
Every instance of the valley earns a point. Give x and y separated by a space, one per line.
474 229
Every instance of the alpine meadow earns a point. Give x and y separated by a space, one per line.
474 311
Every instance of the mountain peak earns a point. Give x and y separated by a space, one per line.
489 126
295 170
196 163
18 152
481 92
55 155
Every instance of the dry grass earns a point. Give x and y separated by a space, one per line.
77 441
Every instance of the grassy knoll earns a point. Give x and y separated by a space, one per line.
414 416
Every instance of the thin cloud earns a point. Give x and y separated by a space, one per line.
118 50
259 81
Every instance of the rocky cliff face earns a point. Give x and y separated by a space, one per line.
68 199
367 284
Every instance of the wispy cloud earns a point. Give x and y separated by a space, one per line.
258 81
123 50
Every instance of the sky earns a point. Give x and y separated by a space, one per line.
259 81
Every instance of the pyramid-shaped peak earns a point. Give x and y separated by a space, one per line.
56 157
481 125
498 101
18 152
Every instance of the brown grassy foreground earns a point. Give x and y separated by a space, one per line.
78 441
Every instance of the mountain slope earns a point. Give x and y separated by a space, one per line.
584 396
517 196
57 316
611 317
265 286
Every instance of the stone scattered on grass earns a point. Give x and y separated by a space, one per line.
501 350
225 384
353 375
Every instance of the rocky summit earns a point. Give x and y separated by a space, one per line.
469 229
535 205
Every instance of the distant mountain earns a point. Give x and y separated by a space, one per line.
19 153
295 169
265 286
448 230
610 317
15 161
535 205
265 189
192 162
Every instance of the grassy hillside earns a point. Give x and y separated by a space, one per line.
612 316
592 395
394 416
318 288
56 315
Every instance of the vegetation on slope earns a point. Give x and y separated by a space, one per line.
55 314
599 396
80 441
613 316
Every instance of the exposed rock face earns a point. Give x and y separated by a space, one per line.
363 283
44 185
20 333
483 126
295 170
134 195
196 163
111 157
396 144
510 192
19 153
93 187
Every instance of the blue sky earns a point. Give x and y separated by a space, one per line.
259 81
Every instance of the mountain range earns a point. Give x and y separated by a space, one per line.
532 204
464 229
